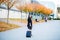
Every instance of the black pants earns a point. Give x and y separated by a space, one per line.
45 20
29 26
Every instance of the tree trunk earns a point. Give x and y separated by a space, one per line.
21 16
26 16
0 7
8 16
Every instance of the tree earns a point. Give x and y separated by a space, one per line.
20 8
1 1
25 8
9 4
36 8
29 8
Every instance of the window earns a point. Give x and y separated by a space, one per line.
58 9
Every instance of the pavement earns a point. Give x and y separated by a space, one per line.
41 31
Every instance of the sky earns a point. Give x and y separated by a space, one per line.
53 4
57 2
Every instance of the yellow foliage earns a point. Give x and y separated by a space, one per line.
33 7
1 1
10 3
46 11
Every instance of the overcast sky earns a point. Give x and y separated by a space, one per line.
57 2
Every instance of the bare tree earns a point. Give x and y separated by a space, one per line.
9 4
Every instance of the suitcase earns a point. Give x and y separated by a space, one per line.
28 34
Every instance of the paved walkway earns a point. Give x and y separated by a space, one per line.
42 31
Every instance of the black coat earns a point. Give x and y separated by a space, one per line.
29 21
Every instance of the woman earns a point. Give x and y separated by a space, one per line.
29 25
45 19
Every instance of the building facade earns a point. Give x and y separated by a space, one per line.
58 12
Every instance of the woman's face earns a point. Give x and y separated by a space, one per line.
30 16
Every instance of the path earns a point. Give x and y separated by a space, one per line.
42 31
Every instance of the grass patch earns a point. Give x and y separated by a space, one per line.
25 20
4 26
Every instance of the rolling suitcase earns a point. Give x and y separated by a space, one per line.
28 34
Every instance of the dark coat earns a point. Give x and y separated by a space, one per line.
29 22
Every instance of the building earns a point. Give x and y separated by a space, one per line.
58 12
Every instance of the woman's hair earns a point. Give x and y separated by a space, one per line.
29 16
